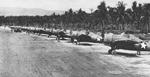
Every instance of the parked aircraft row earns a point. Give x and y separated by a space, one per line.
77 37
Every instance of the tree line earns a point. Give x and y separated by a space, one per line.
103 18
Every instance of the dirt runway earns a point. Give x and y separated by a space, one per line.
23 55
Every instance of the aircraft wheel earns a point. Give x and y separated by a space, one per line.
58 39
75 41
63 38
138 53
110 51
113 52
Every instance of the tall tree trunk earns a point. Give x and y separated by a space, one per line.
148 24
148 28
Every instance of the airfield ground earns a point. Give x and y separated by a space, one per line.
24 55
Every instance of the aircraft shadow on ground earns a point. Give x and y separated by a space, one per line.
123 54
86 44
132 55
127 54
64 39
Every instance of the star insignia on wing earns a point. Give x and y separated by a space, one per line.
143 45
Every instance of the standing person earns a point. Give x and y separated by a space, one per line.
58 35
103 35
71 36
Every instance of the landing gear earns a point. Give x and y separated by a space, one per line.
49 35
112 51
138 53
58 38
75 41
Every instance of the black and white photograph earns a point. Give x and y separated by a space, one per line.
74 38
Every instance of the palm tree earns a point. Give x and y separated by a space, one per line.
146 9
101 13
121 14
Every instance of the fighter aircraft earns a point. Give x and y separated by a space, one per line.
78 38
128 45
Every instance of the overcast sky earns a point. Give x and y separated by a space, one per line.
63 4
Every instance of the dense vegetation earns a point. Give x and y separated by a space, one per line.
104 17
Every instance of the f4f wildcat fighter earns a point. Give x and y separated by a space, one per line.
128 45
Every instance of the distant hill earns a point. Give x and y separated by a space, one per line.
7 11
